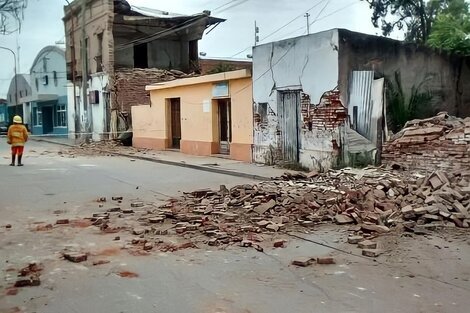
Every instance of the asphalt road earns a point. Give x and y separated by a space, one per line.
415 275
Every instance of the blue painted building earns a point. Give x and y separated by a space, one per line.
48 105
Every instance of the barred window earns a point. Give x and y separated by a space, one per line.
60 116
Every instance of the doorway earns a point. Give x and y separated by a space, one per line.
225 125
175 122
289 116
47 119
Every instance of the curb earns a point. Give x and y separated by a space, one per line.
171 163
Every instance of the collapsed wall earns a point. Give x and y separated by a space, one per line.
441 142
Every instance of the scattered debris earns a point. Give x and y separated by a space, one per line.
373 253
62 221
326 260
127 274
302 261
75 257
29 276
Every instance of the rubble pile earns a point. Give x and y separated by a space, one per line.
441 142
373 201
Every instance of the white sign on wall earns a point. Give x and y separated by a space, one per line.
206 106
220 90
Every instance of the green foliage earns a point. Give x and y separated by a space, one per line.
403 108
451 31
415 17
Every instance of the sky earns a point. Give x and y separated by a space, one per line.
42 25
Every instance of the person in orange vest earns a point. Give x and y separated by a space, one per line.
17 137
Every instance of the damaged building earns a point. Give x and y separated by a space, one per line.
114 50
319 100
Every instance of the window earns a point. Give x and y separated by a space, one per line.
54 73
60 116
37 116
44 65
21 93
99 55
37 84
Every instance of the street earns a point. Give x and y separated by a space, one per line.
415 274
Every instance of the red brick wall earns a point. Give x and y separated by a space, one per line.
328 114
129 86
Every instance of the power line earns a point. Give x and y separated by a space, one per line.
233 6
283 26
319 13
324 17
223 5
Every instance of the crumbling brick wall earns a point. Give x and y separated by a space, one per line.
129 86
441 142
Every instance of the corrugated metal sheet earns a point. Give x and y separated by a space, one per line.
288 111
360 97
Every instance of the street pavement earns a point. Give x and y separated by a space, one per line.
418 274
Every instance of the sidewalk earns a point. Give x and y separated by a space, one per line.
205 163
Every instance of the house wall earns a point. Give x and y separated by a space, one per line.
99 114
98 20
308 64
446 76
199 121
99 17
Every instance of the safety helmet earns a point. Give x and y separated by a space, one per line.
17 119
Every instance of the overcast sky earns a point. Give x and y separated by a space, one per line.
43 26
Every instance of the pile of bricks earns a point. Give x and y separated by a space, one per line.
374 201
441 142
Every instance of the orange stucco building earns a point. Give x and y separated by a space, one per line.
205 115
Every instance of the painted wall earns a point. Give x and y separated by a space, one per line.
308 64
199 121
98 82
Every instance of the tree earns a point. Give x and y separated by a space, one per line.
451 29
11 14
415 17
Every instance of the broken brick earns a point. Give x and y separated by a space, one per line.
326 260
137 204
373 253
279 243
367 244
302 261
62 221
75 257
355 239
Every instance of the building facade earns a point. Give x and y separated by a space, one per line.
105 37
48 103
319 100
202 115
19 98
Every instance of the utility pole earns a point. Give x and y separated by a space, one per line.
76 105
307 15
256 34
84 57
15 77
